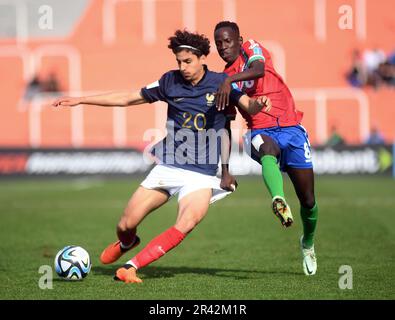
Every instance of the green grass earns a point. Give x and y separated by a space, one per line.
239 251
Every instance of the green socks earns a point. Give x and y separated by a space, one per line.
272 176
309 219
274 182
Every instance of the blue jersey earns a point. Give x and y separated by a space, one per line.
194 125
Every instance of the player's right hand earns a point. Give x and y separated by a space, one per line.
265 102
66 101
228 182
222 96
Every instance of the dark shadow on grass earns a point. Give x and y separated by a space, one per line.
151 272
67 281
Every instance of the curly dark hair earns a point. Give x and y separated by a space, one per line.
228 24
199 42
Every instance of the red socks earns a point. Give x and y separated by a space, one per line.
157 247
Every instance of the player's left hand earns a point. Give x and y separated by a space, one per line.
265 103
66 101
222 97
228 182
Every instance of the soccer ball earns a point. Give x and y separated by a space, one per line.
72 263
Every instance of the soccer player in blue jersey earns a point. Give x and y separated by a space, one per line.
188 156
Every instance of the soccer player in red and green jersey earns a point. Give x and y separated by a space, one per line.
274 136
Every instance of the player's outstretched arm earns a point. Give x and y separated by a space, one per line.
254 106
112 99
256 70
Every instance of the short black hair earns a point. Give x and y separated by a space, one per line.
228 24
199 42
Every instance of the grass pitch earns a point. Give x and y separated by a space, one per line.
239 251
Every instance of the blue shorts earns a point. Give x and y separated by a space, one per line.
293 142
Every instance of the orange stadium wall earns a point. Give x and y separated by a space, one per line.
116 45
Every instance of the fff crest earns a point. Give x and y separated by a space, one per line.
210 98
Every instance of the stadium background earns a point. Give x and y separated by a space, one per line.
106 45
97 46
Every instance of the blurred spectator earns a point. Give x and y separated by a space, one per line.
32 89
357 75
37 86
391 58
372 68
50 84
386 71
335 139
375 137
372 59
